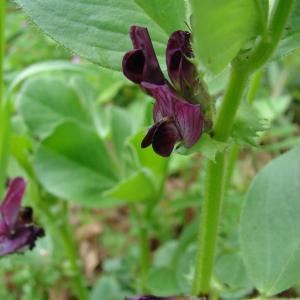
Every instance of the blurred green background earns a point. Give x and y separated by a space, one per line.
37 72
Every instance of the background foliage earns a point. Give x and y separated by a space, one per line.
76 132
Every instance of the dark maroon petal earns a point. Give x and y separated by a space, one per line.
181 71
189 120
164 100
25 215
133 65
147 140
165 138
142 65
10 206
187 117
23 239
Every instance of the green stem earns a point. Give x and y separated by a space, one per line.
144 256
62 234
4 119
214 187
70 249
5 130
215 179
254 84
2 41
140 220
231 162
269 41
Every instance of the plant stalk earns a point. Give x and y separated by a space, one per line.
141 222
214 187
4 107
215 179
61 233
2 41
144 256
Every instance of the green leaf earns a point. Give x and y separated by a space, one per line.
46 102
162 282
185 268
107 288
47 67
271 108
95 29
122 128
231 272
168 14
164 255
73 163
137 187
248 124
148 158
270 239
291 36
222 27
207 146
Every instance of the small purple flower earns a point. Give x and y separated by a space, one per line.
17 232
141 63
181 70
175 120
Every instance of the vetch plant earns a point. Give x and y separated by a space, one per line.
75 154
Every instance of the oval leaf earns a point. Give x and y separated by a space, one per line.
47 102
222 27
95 29
168 14
270 236
137 187
73 163
291 36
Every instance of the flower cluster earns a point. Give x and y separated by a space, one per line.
176 119
17 231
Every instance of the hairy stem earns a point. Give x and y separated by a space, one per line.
215 179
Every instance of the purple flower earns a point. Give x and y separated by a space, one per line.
141 63
175 120
181 70
17 232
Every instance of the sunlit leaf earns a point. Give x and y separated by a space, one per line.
222 27
168 14
95 29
